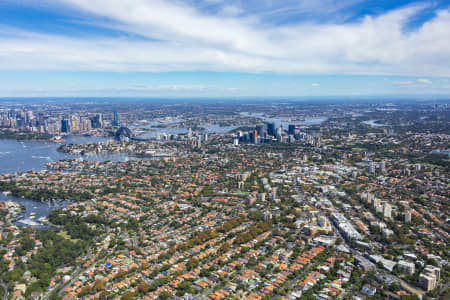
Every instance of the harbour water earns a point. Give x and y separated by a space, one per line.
23 156
209 128
212 128
34 210
285 122
373 123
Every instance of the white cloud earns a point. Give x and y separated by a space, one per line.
424 81
134 89
315 84
170 87
419 82
408 82
190 40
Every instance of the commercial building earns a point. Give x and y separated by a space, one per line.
406 267
346 227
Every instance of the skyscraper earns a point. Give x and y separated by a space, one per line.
255 137
115 119
65 126
291 129
271 129
97 121
261 129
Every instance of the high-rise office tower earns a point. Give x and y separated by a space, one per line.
97 121
115 119
291 129
279 132
65 127
255 137
271 129
261 129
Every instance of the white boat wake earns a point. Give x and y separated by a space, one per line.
42 157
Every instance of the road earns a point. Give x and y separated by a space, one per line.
78 271
5 288
408 287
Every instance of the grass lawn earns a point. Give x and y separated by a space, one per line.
64 234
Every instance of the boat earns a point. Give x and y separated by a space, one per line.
43 220
33 214
58 139
29 222
6 193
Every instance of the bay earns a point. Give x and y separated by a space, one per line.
23 156
209 128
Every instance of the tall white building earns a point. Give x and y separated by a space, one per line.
429 278
387 210
408 217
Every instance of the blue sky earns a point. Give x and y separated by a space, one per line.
224 48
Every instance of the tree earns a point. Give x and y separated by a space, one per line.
85 291
184 287
164 295
55 296
128 296
191 264
99 286
143 287
27 244
224 248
